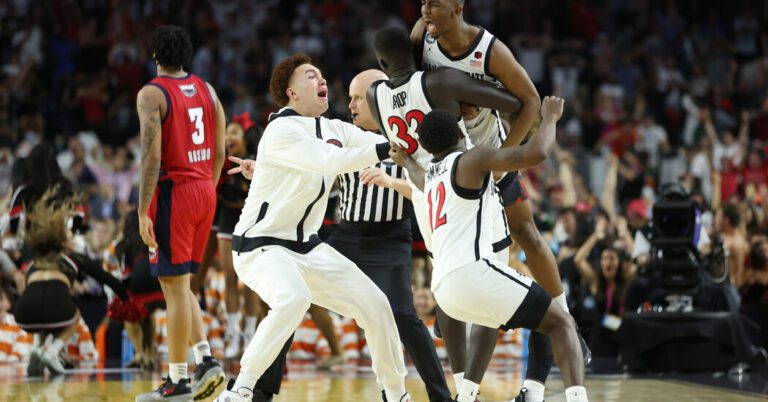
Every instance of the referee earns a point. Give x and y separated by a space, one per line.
375 233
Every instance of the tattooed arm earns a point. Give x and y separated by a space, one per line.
150 104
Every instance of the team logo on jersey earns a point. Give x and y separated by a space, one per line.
477 61
335 142
188 90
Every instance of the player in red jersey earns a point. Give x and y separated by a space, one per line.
182 144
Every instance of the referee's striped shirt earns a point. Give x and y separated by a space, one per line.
361 203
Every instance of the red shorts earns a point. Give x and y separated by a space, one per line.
182 214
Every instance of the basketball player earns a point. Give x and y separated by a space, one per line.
182 144
442 38
276 250
401 102
469 283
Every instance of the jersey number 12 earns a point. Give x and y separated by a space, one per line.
436 220
196 116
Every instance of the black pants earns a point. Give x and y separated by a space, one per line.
383 253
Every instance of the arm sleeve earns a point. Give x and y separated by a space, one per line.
356 137
288 145
93 269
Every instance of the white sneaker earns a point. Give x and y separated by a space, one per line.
53 362
242 394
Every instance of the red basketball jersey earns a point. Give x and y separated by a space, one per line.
189 129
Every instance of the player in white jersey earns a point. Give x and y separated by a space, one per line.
400 103
469 283
442 38
276 250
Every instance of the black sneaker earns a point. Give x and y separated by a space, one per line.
208 376
168 391
521 396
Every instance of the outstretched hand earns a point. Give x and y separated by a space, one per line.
398 154
244 166
375 176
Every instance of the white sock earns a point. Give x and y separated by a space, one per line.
56 347
250 325
535 391
177 372
576 393
201 349
244 381
468 391
457 379
395 394
233 323
562 302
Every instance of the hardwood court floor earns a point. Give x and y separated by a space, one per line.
346 387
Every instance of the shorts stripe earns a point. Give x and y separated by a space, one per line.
163 219
495 268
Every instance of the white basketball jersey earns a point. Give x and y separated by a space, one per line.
401 110
461 220
486 128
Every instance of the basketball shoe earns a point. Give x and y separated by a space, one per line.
241 395
168 391
208 376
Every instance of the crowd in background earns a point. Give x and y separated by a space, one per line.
656 92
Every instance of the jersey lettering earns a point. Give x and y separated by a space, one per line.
407 128
398 100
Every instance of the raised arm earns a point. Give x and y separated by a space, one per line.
448 86
417 41
511 75
149 103
518 158
586 271
221 126
608 198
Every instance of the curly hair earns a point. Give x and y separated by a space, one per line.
439 131
281 75
171 47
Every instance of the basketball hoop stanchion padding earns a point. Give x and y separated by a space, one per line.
697 341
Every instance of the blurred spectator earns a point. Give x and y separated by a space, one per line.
754 279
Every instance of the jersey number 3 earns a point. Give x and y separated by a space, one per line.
436 220
196 116
407 128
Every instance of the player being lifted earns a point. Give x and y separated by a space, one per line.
400 104
469 283
442 38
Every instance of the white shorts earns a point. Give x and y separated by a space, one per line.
493 295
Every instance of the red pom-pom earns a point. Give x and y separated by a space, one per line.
126 310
